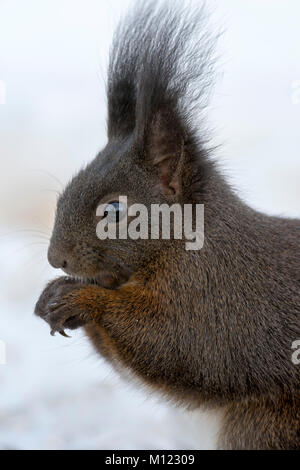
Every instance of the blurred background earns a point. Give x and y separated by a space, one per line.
56 393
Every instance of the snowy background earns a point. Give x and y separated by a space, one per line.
56 393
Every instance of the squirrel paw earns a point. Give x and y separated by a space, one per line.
57 306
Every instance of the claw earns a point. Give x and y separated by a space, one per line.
61 332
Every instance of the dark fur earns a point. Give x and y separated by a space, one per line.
208 327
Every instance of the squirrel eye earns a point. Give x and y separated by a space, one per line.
114 211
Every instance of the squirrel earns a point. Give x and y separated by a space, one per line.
212 327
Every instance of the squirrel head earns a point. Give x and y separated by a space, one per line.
152 156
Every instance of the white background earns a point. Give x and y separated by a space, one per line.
56 393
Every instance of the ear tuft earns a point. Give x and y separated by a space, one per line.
160 78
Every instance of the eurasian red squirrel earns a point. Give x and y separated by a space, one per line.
210 327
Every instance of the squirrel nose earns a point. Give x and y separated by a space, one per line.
57 259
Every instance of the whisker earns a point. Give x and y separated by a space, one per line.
58 193
45 172
18 250
32 232
33 259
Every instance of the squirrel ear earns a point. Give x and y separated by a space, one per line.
165 149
